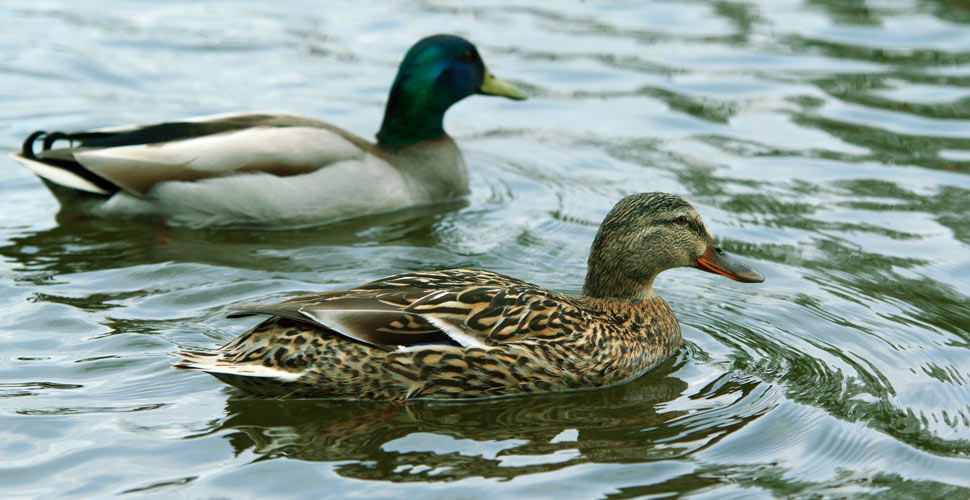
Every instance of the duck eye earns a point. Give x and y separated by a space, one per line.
681 220
465 56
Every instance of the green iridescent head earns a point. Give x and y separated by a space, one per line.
437 72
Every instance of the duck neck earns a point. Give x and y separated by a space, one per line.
612 284
412 115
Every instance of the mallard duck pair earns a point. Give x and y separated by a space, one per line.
440 334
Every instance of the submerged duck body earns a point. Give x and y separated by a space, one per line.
267 169
464 333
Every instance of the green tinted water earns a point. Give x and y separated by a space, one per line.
825 142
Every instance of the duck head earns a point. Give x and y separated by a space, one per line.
647 233
437 72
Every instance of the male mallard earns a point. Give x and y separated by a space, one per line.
259 169
472 334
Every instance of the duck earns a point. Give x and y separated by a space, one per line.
257 169
472 334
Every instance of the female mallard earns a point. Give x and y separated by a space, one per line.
472 334
258 169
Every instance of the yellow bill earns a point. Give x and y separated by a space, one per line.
494 86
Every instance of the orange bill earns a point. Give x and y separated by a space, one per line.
717 261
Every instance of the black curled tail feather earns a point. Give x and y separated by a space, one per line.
53 136
65 162
149 134
27 150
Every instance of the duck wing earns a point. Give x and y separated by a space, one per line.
135 159
460 307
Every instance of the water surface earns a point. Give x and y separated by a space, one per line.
826 143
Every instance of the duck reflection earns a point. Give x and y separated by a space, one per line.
79 244
501 438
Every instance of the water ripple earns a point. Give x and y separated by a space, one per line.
824 143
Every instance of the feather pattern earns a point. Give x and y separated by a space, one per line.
454 333
464 333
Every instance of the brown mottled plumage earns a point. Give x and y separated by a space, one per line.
463 333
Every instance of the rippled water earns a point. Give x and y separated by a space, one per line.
826 142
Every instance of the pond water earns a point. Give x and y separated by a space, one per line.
826 143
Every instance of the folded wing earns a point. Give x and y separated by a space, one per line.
137 158
460 307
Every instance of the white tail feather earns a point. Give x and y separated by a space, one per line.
59 176
213 364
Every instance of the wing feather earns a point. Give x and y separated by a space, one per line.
463 307
283 310
276 150
376 327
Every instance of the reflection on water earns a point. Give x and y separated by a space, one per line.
503 438
86 244
826 142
